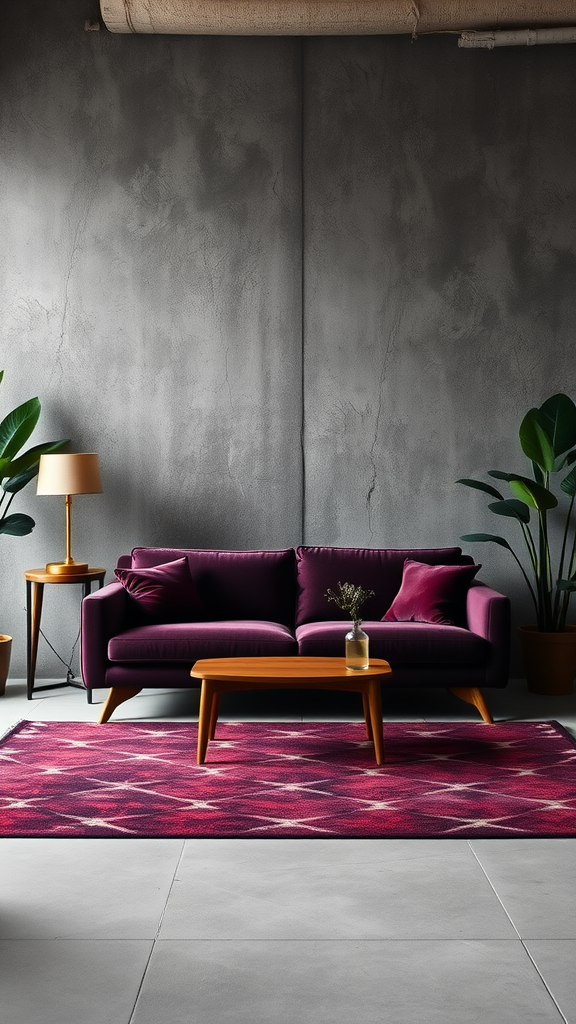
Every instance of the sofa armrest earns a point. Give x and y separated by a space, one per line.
488 615
103 616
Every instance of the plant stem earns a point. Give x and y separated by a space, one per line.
526 577
531 546
10 500
561 599
545 620
566 596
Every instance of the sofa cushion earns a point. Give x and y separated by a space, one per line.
188 641
259 585
377 569
432 593
400 643
163 593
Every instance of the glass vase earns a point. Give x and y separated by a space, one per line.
357 647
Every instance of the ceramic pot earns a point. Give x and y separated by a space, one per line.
549 659
5 652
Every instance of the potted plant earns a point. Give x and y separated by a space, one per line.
542 505
15 472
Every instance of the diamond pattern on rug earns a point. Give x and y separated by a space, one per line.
314 780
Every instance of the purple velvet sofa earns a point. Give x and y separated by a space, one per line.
268 603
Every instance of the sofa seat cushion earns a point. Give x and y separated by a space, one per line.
400 643
188 641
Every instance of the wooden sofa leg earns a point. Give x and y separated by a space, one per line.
117 696
472 695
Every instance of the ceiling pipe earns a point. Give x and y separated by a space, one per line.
517 37
329 17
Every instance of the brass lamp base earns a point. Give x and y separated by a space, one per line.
68 568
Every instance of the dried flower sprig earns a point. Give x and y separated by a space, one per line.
349 598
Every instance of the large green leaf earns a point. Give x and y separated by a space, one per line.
498 474
559 462
535 442
566 459
512 508
533 494
16 428
17 525
472 538
30 458
558 417
480 486
15 483
568 484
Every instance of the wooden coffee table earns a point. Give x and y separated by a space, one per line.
220 675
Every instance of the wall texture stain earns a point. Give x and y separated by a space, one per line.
288 289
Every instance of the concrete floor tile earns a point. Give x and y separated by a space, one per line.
310 889
536 881
336 982
555 961
85 888
53 982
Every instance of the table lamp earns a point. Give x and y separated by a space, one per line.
68 475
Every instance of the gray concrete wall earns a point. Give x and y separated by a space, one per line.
287 289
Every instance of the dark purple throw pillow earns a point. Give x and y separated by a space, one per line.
431 593
164 593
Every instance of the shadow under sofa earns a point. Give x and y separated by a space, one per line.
273 603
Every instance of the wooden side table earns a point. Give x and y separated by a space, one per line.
35 580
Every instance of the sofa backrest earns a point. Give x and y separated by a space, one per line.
377 569
235 584
289 585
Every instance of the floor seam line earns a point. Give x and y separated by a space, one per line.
492 886
544 982
156 936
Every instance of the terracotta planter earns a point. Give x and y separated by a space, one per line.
549 659
5 651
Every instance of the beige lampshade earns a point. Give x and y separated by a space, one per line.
69 474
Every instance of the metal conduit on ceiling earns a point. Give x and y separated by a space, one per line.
331 17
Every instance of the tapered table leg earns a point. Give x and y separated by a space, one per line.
214 715
33 615
366 707
204 719
375 703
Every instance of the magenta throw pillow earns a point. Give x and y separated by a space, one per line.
163 593
432 593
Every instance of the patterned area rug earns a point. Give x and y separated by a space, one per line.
314 780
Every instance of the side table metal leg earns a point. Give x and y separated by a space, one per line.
86 590
35 593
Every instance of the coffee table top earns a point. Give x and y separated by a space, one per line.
293 667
